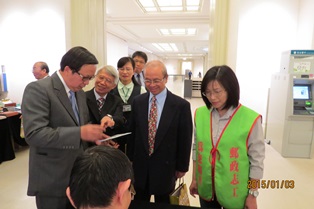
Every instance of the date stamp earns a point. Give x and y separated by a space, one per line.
270 184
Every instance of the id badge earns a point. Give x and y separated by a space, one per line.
127 108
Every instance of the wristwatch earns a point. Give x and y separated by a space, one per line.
110 116
253 192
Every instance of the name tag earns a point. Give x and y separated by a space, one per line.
127 108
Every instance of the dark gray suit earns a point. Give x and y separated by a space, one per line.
53 134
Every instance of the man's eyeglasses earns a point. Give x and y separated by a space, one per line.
132 190
86 78
107 80
155 81
214 93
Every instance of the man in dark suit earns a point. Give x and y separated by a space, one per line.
160 145
55 115
140 59
104 106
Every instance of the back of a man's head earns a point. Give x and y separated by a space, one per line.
97 176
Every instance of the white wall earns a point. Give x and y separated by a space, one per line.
30 31
262 31
305 34
172 66
116 48
198 67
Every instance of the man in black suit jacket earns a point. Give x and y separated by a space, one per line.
111 109
155 173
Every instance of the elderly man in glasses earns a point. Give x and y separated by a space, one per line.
101 178
103 105
56 126
161 139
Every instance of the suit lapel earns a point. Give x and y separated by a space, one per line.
92 103
62 95
167 115
143 112
107 105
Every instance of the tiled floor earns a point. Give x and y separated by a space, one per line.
14 174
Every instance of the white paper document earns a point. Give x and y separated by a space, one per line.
115 136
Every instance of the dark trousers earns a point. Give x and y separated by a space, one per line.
144 195
210 204
47 202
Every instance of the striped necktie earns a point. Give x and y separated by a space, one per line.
100 103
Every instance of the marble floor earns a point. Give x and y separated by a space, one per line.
14 175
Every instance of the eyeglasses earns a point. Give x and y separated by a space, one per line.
214 93
107 80
139 61
132 190
125 69
155 81
86 78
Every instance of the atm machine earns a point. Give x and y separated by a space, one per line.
290 117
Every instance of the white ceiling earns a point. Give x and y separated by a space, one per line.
126 20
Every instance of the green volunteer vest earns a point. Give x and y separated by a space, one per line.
224 168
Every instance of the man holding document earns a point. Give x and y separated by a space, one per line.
56 125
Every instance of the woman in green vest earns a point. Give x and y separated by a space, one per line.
229 148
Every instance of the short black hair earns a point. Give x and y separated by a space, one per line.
122 61
76 57
227 79
140 54
96 174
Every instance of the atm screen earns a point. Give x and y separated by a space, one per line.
302 92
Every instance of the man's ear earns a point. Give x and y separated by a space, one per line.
122 188
67 191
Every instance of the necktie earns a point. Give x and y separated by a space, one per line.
152 125
100 103
139 79
74 106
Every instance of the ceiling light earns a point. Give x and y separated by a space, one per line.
165 32
191 31
166 46
174 47
167 3
169 47
147 3
178 31
158 47
171 9
193 2
170 6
